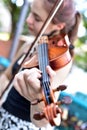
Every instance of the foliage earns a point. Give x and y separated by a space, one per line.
81 49
81 55
15 12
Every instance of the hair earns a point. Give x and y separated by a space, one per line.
67 13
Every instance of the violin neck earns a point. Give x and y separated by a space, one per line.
43 60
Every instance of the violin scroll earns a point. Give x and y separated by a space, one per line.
51 111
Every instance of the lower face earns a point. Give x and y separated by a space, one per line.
37 18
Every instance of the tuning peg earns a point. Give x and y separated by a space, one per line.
60 88
66 100
39 115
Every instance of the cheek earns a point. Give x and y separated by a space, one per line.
37 28
48 30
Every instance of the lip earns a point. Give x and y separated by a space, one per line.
30 29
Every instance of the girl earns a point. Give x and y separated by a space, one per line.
16 112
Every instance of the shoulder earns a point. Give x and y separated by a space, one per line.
27 42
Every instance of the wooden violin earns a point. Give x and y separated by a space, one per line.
58 52
52 51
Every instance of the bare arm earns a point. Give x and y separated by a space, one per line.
6 76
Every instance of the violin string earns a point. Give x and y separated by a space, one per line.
45 76
41 65
43 69
43 62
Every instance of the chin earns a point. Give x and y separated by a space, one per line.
31 32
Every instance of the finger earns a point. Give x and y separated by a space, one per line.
32 77
16 85
20 83
32 82
30 71
50 71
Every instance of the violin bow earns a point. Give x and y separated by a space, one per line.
42 30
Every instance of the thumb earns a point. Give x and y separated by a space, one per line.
50 71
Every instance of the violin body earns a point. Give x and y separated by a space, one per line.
58 52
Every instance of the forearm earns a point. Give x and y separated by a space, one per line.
3 83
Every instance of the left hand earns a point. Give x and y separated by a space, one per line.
27 82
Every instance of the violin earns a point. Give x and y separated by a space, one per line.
58 51
53 51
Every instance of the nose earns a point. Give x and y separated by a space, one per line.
29 19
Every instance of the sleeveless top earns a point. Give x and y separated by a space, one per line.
16 104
